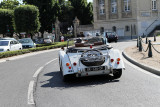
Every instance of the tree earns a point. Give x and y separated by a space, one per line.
61 1
47 12
66 13
9 4
66 16
80 10
26 19
88 14
6 19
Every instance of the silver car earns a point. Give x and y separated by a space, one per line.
27 43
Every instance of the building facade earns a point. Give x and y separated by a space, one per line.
126 17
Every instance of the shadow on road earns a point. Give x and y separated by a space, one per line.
56 81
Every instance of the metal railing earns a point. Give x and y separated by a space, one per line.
149 47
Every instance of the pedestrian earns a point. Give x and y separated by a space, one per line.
62 38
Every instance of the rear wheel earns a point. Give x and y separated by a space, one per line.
117 73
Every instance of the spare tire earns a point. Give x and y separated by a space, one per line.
92 58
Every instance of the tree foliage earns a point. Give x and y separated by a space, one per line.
66 11
6 17
83 11
9 4
47 12
26 19
88 13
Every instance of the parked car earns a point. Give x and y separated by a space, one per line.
47 40
27 43
111 36
8 39
39 41
9 45
90 56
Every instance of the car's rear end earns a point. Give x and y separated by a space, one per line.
111 36
91 57
92 62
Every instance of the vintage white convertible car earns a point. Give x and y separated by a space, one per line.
90 56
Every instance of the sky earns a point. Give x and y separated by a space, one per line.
90 0
87 0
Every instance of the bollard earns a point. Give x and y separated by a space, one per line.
137 42
146 40
150 49
140 44
143 35
154 38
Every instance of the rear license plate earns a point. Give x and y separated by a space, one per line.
95 68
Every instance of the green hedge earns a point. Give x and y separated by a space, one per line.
24 51
41 45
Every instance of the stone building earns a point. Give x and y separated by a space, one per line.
126 17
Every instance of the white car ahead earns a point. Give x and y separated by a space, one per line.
10 45
90 56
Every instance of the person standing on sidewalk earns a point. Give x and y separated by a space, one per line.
62 38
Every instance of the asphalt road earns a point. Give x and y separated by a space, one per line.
136 88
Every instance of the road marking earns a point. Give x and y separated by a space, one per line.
140 69
30 93
31 84
37 72
40 69
51 61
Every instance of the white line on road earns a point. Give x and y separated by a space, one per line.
31 84
140 69
30 93
37 72
40 69
51 61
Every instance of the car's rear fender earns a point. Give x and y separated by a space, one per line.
115 54
64 59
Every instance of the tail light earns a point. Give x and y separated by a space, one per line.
118 59
74 63
67 64
91 46
112 60
69 67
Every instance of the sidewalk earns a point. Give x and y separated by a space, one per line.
141 59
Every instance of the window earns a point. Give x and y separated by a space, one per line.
11 42
127 5
15 42
101 30
101 7
101 2
154 4
114 6
127 28
114 29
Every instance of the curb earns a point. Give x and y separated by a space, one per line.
143 66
